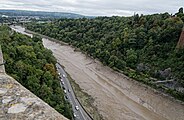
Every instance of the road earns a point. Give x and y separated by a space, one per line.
65 84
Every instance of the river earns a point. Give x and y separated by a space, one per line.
117 97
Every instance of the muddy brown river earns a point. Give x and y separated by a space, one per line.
117 97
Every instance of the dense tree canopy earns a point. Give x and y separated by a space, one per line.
34 67
143 47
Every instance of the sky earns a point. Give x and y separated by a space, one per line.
96 7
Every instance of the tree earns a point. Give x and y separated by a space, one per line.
47 78
131 58
180 10
180 13
116 43
51 69
33 84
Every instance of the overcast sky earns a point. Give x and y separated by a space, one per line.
96 7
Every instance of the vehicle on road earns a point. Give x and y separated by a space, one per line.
69 90
77 107
64 75
61 80
62 83
66 97
74 115
65 91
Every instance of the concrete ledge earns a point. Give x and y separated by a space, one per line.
18 103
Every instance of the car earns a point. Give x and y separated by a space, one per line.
61 80
65 91
74 115
66 97
62 83
59 73
69 90
77 107
64 75
63 87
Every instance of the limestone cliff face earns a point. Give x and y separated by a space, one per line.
180 43
2 70
18 103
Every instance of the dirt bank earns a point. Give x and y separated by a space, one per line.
116 96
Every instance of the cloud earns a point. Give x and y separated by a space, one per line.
96 7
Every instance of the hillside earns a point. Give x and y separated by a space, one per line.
142 47
33 66
15 13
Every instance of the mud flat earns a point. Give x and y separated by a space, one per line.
117 97
20 30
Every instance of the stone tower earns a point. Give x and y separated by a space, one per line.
180 43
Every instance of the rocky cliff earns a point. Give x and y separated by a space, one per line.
180 43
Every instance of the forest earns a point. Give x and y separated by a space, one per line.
33 66
142 47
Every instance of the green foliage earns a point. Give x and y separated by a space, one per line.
180 14
33 66
131 57
124 42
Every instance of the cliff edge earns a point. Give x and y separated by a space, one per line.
180 43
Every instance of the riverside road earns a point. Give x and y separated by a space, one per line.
80 114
